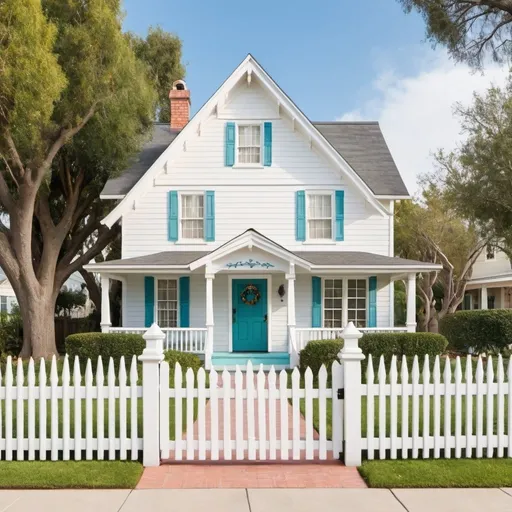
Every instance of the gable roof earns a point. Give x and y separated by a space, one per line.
249 67
361 144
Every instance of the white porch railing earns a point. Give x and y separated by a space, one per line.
306 334
184 339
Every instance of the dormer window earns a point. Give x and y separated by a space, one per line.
249 144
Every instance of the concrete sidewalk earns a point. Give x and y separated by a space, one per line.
260 500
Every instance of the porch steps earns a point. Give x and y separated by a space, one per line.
230 360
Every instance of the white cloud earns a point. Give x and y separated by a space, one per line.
416 112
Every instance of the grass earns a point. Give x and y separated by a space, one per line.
438 473
70 475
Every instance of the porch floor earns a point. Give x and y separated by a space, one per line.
229 360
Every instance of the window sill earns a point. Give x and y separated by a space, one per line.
248 166
320 242
190 242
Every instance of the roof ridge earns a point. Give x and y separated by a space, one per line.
345 122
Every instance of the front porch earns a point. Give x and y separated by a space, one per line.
251 299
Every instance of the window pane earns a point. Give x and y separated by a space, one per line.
167 304
320 229
249 144
333 306
357 302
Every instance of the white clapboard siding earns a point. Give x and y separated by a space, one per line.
251 417
69 409
453 412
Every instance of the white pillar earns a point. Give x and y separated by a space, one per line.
105 304
209 320
351 356
344 302
483 297
411 302
151 358
292 346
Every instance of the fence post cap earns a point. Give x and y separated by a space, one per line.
154 351
351 351
154 333
351 332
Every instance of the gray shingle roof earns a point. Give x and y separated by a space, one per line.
160 258
161 138
363 146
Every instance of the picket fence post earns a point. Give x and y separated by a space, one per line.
151 358
351 356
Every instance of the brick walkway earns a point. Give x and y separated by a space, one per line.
240 474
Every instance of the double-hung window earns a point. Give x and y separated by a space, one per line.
319 216
333 303
167 302
356 303
249 144
192 216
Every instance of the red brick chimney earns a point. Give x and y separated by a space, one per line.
179 96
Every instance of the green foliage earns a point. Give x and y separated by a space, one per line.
68 300
185 359
470 30
319 352
107 345
11 332
161 51
488 331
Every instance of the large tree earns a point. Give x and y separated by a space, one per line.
478 175
431 230
470 29
75 102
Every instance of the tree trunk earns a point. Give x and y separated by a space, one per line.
92 288
433 325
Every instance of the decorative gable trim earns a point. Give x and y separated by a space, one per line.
300 122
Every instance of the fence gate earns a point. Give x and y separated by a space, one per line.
250 416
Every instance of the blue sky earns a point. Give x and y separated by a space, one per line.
336 59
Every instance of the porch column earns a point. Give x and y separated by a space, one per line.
209 319
292 345
105 304
483 297
411 302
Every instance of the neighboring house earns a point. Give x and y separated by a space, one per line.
490 286
250 230
7 296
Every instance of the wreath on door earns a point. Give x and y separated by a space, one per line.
250 295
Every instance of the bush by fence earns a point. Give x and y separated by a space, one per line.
488 331
186 360
93 344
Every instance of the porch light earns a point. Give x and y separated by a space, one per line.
281 291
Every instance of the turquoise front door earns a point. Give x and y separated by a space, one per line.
250 315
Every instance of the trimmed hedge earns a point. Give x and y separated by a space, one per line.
485 330
186 360
377 344
94 344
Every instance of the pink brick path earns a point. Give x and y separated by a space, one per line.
240 474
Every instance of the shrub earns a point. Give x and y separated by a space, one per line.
317 353
487 330
11 331
94 344
185 359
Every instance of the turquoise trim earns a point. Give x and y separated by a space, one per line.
316 285
340 215
300 215
221 359
149 300
184 301
230 144
209 216
172 230
372 301
267 144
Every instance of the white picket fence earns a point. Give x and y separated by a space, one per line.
439 413
69 414
249 416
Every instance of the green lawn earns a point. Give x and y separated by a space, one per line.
438 473
70 475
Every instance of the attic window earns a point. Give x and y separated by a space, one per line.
249 144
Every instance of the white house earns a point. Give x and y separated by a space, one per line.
250 230
490 286
7 296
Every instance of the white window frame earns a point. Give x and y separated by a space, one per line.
249 165
493 252
333 214
155 313
182 193
344 295
2 298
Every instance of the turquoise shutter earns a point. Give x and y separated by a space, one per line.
185 301
300 215
316 320
149 300
172 230
372 301
340 215
267 148
209 216
230 144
